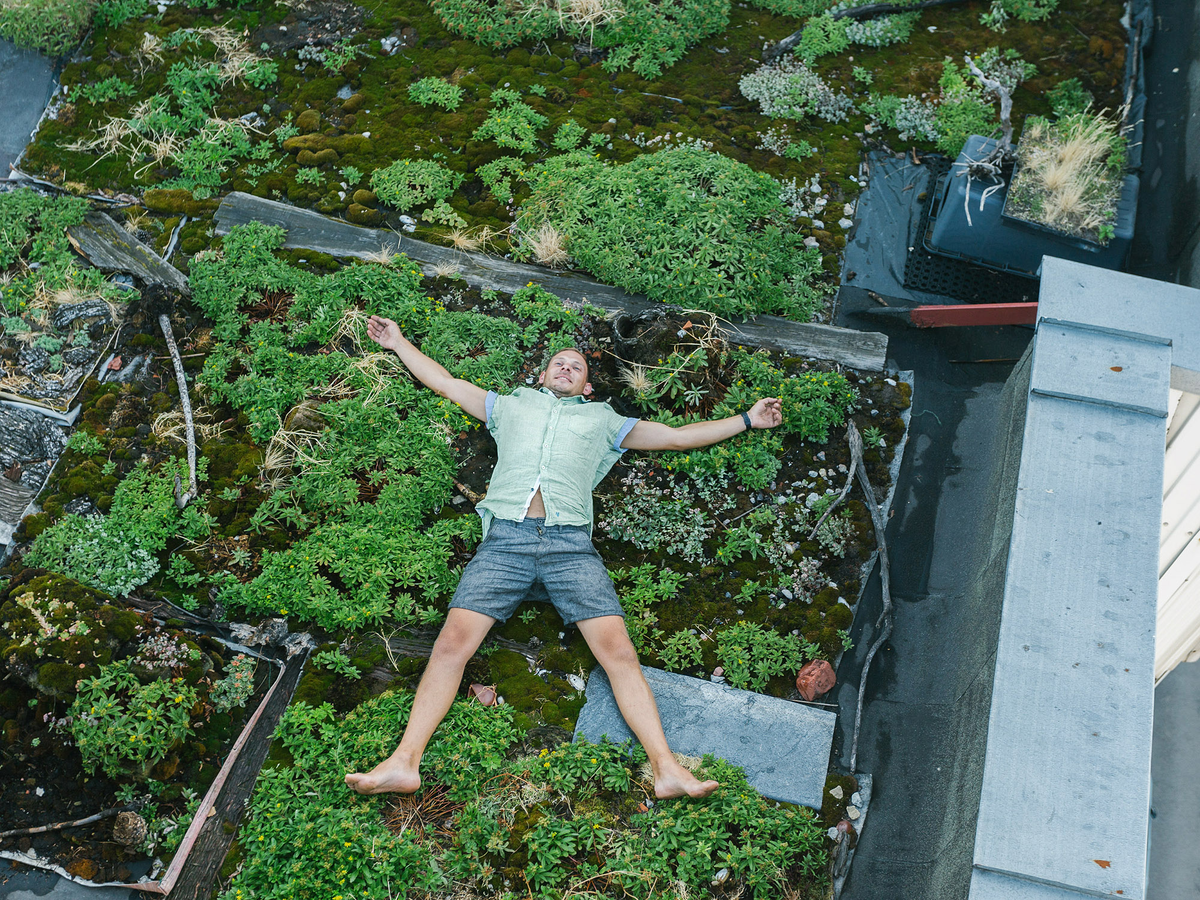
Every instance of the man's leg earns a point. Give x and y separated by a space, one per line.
460 637
610 644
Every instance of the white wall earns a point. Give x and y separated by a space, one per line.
1178 637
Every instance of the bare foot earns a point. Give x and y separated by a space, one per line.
393 775
673 780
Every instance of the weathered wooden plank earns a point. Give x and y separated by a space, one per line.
198 877
109 247
312 231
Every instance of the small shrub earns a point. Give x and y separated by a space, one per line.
752 654
436 91
410 183
123 726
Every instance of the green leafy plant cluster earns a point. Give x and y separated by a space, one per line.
510 123
563 818
308 836
436 91
52 26
336 660
33 230
116 553
123 726
411 183
644 37
102 91
753 654
641 588
236 687
682 225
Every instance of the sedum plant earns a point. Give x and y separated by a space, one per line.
123 726
410 183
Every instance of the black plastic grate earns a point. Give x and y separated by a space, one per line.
956 278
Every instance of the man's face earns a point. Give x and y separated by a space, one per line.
566 375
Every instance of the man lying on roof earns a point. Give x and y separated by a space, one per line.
553 447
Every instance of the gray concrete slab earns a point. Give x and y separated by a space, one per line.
28 79
1175 801
783 746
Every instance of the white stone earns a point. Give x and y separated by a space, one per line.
852 813
845 223
856 799
837 793
810 242
576 682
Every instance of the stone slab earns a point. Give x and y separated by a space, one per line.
783 746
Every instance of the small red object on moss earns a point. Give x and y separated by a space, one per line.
815 678
483 693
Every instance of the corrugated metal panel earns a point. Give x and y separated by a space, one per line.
1179 555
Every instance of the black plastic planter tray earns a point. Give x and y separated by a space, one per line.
986 236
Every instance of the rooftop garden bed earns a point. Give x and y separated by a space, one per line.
337 494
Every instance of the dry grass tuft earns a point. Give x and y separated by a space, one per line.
446 270
385 255
548 245
1066 177
589 13
171 426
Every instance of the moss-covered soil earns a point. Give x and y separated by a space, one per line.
360 118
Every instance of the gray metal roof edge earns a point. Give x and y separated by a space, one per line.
1112 404
1103 329
1065 889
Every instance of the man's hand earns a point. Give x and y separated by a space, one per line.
766 413
384 332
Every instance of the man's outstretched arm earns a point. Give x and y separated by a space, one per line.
766 413
430 373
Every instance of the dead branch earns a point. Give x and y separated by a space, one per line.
181 498
855 459
58 826
995 87
884 622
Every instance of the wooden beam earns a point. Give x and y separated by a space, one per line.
108 247
974 314
865 350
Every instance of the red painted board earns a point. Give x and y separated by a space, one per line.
974 314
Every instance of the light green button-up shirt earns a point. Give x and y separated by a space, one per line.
561 446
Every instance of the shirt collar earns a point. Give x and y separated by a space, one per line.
578 398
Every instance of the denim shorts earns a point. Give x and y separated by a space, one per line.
516 557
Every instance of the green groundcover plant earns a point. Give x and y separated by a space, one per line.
566 819
683 225
123 726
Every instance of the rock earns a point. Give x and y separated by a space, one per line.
576 682
810 242
83 868
304 417
845 223
345 92
852 813
129 829
697 717
817 223
856 799
836 792
815 678
31 439
485 694
787 595
833 834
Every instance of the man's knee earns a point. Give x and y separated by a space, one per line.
459 640
614 650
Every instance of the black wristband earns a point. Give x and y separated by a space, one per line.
746 419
